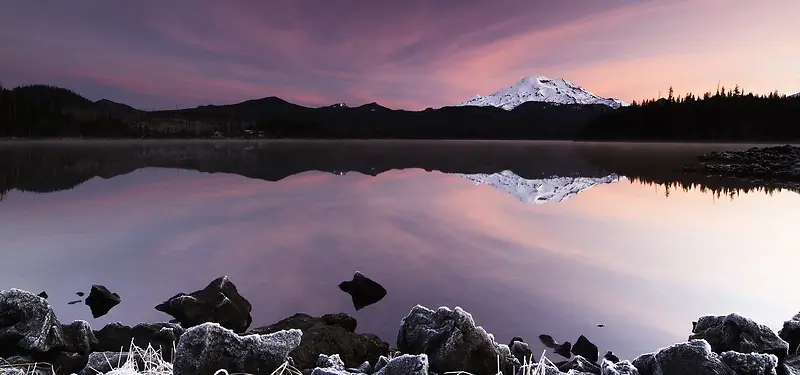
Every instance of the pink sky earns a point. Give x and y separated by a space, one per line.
411 55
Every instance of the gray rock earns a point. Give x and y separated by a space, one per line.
27 324
619 368
79 337
737 333
115 337
380 363
219 302
791 333
581 364
751 363
330 361
521 352
204 349
694 357
406 365
453 342
790 366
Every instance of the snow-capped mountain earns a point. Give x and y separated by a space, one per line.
796 95
555 189
541 89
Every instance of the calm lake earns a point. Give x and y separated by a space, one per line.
287 221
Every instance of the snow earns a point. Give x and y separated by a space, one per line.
796 95
555 189
541 89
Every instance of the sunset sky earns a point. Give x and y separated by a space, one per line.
408 54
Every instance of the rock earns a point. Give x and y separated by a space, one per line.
737 333
751 363
103 362
363 290
453 342
79 337
330 371
27 324
365 368
219 302
330 361
580 364
43 294
611 357
585 348
694 357
65 363
115 337
101 300
74 302
521 352
382 361
791 333
617 368
548 341
406 365
563 349
790 366
80 294
775 166
206 348
329 334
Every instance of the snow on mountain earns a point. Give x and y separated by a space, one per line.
796 95
539 191
541 89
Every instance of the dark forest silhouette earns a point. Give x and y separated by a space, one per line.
36 111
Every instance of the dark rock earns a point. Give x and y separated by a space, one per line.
611 357
103 362
790 366
363 290
773 166
521 352
406 365
737 333
80 294
79 337
515 339
617 368
329 334
791 333
548 341
330 361
116 337
694 357
564 349
365 368
101 300
206 348
581 364
66 363
382 361
219 302
74 302
43 294
601 325
27 324
585 348
453 342
751 363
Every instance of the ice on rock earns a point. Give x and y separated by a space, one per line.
29 324
751 363
406 365
737 333
330 361
206 348
693 357
620 368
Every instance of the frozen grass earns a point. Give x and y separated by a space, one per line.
529 367
27 368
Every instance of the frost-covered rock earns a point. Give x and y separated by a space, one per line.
219 302
329 334
101 300
617 368
611 357
790 366
204 349
27 324
380 363
791 333
453 342
580 364
79 337
521 351
406 365
737 333
116 337
365 368
751 363
331 361
586 349
694 357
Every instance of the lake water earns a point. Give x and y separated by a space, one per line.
288 221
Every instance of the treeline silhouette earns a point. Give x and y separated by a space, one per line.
725 115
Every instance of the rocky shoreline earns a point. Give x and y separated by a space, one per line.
777 166
211 332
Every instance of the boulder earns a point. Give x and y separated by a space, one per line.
586 349
694 357
611 357
453 342
617 368
563 349
79 337
43 294
580 364
330 361
101 300
737 333
27 324
751 363
790 366
206 348
548 341
329 334
219 302
363 290
116 337
521 352
791 333
406 365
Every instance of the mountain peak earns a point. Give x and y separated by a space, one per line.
541 89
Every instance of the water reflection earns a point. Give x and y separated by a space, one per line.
622 254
